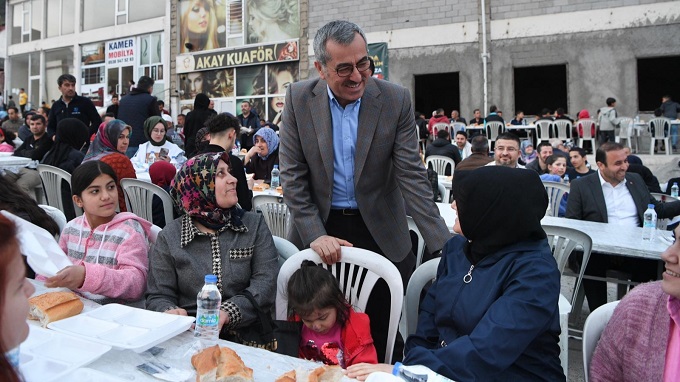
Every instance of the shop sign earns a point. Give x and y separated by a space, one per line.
261 54
120 52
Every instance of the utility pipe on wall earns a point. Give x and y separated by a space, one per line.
485 57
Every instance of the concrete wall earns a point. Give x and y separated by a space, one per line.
599 41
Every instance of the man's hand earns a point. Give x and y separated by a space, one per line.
71 277
177 311
328 248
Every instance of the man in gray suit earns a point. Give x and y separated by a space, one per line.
349 161
614 196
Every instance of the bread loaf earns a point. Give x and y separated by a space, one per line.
320 374
216 364
54 306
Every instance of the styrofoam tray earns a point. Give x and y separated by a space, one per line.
85 374
124 327
48 356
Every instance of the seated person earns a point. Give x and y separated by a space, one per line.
108 249
492 313
442 146
109 146
642 339
557 167
528 153
15 291
578 159
7 141
155 130
35 148
213 235
264 154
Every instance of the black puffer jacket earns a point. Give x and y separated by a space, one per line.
134 109
195 120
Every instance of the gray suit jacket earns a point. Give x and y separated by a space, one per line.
586 199
387 168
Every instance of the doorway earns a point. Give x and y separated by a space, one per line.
119 80
434 91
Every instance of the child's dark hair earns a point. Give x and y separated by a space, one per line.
87 172
9 136
313 287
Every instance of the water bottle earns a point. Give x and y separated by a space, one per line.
674 190
275 177
637 119
180 159
649 225
208 304
566 179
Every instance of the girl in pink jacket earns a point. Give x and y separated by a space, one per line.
109 250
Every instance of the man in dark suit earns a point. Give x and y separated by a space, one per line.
350 166
614 196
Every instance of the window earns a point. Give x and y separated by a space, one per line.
656 78
235 23
441 90
105 11
147 9
36 19
539 87
151 51
20 23
57 62
60 17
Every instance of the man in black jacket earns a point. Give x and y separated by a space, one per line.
250 124
71 105
442 146
35 148
135 108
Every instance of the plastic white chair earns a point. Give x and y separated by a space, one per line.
275 213
139 199
493 130
354 264
625 131
153 236
285 249
421 242
543 130
56 215
586 125
439 164
455 128
444 192
420 277
52 178
555 192
563 129
662 129
592 330
439 126
421 141
563 241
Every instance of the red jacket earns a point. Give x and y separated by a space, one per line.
356 339
434 120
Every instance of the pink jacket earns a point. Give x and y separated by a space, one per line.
115 256
6 148
633 344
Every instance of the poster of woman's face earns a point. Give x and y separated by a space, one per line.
281 76
214 83
202 25
250 80
270 21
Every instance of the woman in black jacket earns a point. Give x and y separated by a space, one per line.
195 120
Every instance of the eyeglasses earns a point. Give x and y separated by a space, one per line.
346 70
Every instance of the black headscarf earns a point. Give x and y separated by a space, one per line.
499 206
71 134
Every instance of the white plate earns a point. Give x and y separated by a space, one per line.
85 374
124 327
379 376
48 356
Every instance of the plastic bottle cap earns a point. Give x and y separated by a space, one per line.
210 278
650 206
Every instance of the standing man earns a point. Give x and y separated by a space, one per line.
71 105
619 197
670 109
113 108
23 100
135 108
250 123
350 164
608 120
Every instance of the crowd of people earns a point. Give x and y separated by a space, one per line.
350 179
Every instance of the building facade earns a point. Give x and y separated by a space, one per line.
104 43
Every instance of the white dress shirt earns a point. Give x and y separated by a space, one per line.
621 209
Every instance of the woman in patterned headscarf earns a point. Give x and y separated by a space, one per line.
109 146
262 157
214 236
